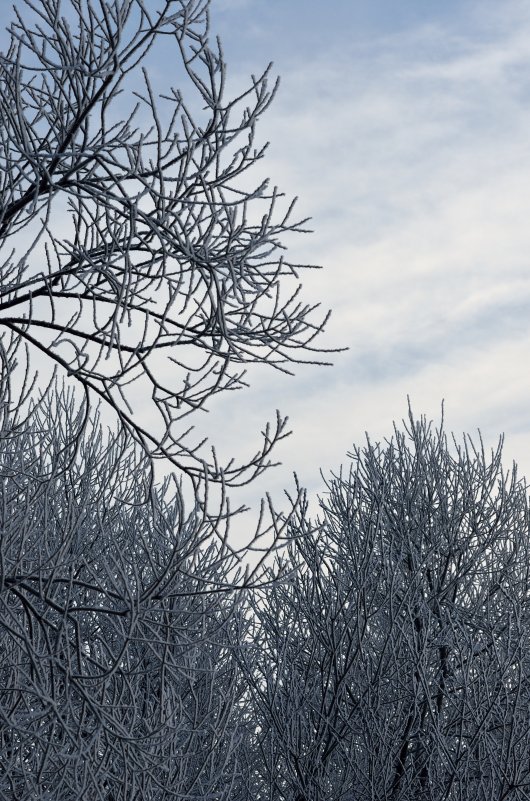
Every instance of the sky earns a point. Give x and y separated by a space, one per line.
404 128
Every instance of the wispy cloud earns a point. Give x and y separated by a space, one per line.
412 154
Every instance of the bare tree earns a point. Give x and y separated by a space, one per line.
133 255
137 261
395 664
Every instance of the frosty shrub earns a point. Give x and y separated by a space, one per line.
395 664
118 621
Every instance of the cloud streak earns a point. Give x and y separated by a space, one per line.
412 153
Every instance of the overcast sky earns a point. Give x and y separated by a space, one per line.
404 128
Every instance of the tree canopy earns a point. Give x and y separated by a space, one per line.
132 254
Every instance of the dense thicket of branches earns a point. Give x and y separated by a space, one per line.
391 661
396 663
118 622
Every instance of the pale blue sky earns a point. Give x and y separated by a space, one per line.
405 130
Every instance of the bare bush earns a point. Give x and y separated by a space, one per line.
395 664
119 620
